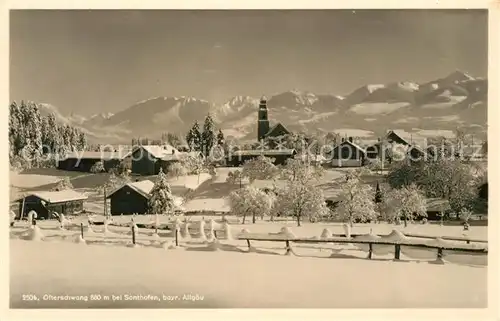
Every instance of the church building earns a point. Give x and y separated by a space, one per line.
264 131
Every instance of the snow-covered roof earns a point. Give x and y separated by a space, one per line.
352 144
60 196
142 187
268 152
437 204
180 156
102 155
158 151
269 184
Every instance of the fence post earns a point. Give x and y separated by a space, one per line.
176 236
248 243
397 251
287 242
215 233
133 234
440 253
81 229
370 251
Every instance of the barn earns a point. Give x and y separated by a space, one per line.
45 203
131 198
147 159
83 161
348 154
280 156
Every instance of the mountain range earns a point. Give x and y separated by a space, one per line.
436 107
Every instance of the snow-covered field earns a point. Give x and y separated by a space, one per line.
31 180
227 275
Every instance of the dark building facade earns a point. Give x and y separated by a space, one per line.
45 203
280 157
83 162
131 198
147 159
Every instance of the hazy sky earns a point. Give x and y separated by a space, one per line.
91 61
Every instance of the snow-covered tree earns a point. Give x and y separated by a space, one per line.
161 200
296 170
235 177
176 170
193 138
407 202
260 168
299 199
98 167
194 165
357 201
250 201
63 184
208 136
220 138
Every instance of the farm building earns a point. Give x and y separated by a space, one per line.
132 198
436 206
147 159
45 203
348 154
382 148
83 161
280 157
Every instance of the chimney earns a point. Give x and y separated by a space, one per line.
350 139
342 140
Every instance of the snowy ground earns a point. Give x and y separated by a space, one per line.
227 275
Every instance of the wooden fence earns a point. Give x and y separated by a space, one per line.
465 248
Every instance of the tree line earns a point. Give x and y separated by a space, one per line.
36 140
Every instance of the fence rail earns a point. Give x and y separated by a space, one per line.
466 248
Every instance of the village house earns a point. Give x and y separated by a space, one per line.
347 154
130 198
147 159
83 161
280 156
133 198
415 146
47 202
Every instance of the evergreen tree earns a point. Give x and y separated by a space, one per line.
220 138
208 137
161 200
193 137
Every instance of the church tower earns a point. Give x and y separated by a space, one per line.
263 122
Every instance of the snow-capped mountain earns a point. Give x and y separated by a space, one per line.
457 99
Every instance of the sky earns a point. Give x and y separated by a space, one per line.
87 62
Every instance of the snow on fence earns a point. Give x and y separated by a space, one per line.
412 248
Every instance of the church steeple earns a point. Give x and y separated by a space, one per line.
263 122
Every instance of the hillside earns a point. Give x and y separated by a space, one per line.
440 104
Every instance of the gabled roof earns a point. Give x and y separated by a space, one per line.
58 196
272 129
267 152
408 138
97 155
157 151
143 187
356 146
437 204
